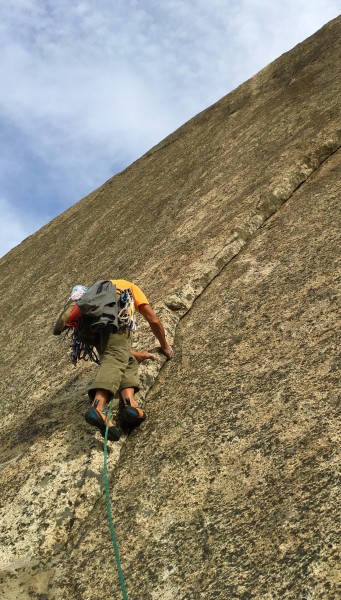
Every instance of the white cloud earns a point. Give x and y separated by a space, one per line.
117 71
87 87
14 227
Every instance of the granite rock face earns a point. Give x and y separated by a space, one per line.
229 489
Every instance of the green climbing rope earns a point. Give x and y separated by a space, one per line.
107 500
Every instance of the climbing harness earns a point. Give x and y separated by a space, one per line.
107 501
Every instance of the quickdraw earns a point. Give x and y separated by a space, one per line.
80 350
126 310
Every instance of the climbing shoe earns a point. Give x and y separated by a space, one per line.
98 418
132 416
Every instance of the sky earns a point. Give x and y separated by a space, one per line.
88 87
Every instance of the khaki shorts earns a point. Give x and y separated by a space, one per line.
118 369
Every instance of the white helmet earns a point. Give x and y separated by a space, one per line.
77 291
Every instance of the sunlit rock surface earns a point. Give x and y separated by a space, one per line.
232 227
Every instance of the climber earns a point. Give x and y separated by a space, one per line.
118 367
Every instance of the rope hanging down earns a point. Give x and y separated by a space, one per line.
107 501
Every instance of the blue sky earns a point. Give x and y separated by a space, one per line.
88 87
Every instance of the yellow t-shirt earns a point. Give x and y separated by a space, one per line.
138 295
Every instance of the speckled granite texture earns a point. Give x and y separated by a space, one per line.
229 489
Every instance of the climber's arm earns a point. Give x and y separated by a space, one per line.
68 318
157 328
